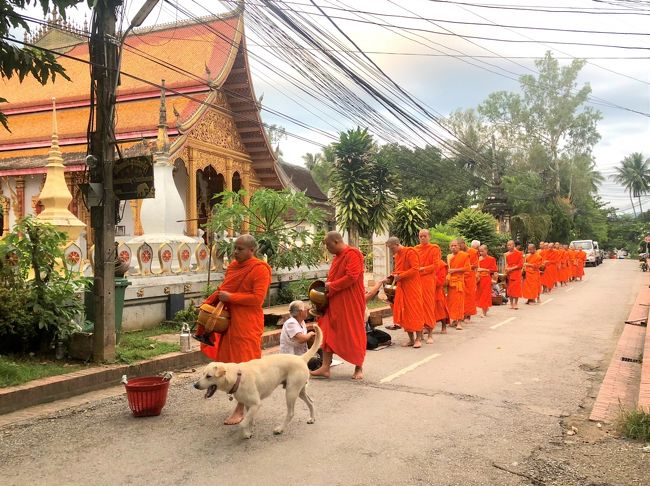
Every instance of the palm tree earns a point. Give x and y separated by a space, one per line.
633 174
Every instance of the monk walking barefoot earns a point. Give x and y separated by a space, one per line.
458 262
344 331
243 291
407 308
487 266
514 264
427 254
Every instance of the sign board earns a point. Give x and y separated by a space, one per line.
647 239
133 178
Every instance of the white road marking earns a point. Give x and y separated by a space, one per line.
403 371
569 289
503 322
546 301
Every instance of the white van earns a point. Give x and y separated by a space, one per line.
590 247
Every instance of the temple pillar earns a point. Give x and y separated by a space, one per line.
246 185
136 206
192 213
4 201
20 197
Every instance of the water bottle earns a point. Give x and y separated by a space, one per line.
185 338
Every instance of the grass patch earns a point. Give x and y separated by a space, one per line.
375 303
18 371
634 424
138 345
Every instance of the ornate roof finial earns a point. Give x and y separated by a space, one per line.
55 131
162 142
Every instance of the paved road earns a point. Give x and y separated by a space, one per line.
449 413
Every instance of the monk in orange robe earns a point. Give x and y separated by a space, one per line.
564 266
442 314
530 288
458 263
426 254
550 268
243 291
487 266
572 263
514 264
344 323
408 310
581 258
470 278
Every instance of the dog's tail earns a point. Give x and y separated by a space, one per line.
311 352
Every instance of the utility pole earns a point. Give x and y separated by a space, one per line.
104 72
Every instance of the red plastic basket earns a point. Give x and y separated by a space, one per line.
147 396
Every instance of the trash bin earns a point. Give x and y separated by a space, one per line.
121 284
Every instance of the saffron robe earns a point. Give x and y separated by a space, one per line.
581 257
484 295
514 259
456 285
530 289
344 322
564 259
550 276
248 284
442 314
470 283
573 266
426 254
408 311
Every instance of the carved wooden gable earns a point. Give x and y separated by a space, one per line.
218 129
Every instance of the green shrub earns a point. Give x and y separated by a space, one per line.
41 300
409 217
188 315
291 291
473 224
442 235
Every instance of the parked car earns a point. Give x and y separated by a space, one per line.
590 247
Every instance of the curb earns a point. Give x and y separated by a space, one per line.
63 386
58 387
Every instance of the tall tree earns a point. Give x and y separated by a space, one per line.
25 61
549 116
633 174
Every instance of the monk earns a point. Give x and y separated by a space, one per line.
470 277
243 291
442 314
530 288
408 310
487 267
458 263
426 253
563 265
343 324
572 263
514 264
550 268
581 258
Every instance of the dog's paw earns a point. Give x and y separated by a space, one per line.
311 421
278 430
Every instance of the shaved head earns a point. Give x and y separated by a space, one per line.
333 236
393 240
334 242
245 246
476 243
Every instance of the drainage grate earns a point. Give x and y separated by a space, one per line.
630 360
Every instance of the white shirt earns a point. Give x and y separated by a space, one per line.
288 343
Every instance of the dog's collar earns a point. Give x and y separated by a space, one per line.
235 387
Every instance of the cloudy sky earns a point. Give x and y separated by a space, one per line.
437 70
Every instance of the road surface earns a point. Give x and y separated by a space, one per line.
479 406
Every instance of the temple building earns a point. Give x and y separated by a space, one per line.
207 119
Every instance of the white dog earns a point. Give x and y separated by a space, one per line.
251 382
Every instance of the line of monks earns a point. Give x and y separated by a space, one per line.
469 275
420 275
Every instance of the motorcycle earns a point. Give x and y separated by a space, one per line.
643 264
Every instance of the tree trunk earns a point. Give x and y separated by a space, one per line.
640 208
633 207
353 235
